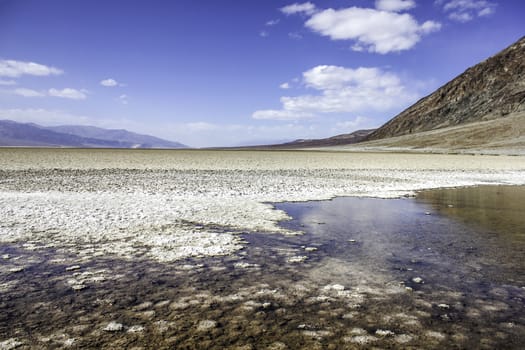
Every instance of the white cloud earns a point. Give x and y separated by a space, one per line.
461 16
372 30
335 78
343 90
7 82
263 34
395 5
306 7
430 27
467 10
73 94
285 86
109 82
272 22
28 92
15 69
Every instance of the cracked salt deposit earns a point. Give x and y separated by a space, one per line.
170 205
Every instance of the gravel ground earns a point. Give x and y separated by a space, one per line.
169 205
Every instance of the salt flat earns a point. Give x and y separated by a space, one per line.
168 205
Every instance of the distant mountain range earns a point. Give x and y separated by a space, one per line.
29 134
483 108
342 139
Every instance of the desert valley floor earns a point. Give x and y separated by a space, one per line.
249 249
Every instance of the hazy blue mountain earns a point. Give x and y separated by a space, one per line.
29 134
120 135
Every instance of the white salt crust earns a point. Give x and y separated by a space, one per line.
170 205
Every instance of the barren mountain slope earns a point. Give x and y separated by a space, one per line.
497 136
490 90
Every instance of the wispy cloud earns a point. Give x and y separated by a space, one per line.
273 22
53 117
15 69
342 90
123 99
28 92
371 30
263 34
281 114
467 10
295 36
358 122
70 93
306 7
285 86
205 134
45 117
395 5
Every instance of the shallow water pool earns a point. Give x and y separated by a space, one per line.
442 270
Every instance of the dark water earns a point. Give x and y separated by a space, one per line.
444 270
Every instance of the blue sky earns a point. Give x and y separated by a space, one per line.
225 73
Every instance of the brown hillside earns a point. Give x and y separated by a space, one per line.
490 90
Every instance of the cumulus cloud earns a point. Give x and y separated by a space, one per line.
73 94
109 82
306 7
28 92
371 30
285 86
15 69
342 90
395 5
467 10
